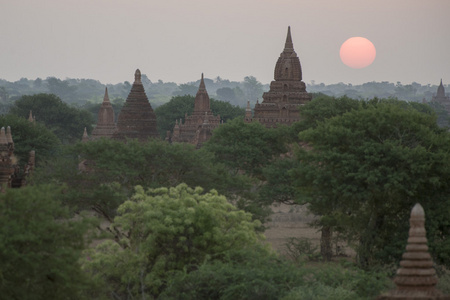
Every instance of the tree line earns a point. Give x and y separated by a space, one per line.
187 223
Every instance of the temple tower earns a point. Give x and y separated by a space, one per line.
416 278
198 127
105 122
137 118
287 92
441 98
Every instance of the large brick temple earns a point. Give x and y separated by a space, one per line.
137 118
106 125
198 127
287 92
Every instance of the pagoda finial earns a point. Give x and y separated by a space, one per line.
3 139
202 84
85 137
289 44
441 81
9 135
137 77
106 97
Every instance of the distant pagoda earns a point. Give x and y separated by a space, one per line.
137 118
198 127
441 98
105 122
280 104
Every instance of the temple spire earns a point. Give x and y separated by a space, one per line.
85 137
106 97
202 84
289 44
3 139
137 77
30 117
9 135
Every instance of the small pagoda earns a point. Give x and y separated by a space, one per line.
416 278
441 98
105 121
287 92
136 120
198 127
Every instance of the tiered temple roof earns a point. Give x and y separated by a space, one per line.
105 123
137 118
287 92
198 127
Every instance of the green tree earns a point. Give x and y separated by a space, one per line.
246 147
366 170
66 122
161 231
40 246
114 168
61 88
29 136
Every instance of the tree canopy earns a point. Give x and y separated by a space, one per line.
66 122
29 136
368 167
40 247
166 230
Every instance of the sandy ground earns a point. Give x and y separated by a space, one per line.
290 221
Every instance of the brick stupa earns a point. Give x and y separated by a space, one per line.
198 127
416 278
136 120
287 92
105 122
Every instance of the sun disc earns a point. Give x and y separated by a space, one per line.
357 52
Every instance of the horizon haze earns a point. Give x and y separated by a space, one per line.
176 41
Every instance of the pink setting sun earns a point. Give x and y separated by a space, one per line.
357 52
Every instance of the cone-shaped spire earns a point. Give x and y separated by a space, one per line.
85 137
137 118
440 91
202 84
8 135
288 66
416 278
30 117
202 103
3 139
106 97
137 77
289 44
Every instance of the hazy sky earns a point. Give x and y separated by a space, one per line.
177 40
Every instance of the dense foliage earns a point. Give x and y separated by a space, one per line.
112 169
368 167
29 136
66 122
160 231
40 247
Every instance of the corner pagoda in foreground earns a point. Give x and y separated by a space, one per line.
198 127
416 278
137 118
287 92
